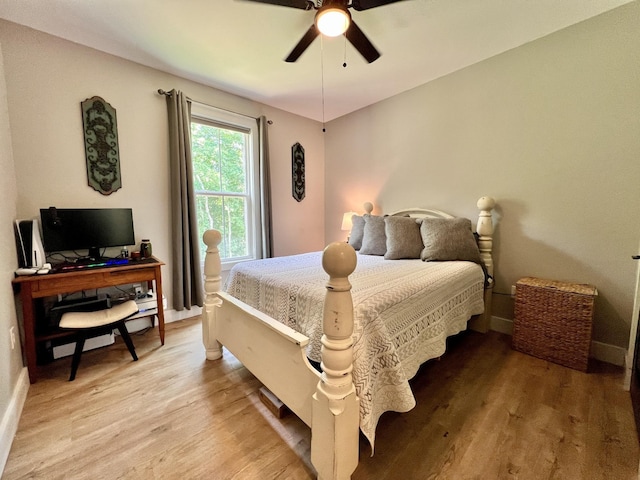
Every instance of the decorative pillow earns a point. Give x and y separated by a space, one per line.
374 241
357 231
448 239
403 238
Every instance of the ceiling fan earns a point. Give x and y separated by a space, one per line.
333 19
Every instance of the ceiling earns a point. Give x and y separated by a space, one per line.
238 46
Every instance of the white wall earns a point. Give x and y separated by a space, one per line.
551 129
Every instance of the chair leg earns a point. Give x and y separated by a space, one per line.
124 333
76 357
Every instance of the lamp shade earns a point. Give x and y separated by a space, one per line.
333 21
346 221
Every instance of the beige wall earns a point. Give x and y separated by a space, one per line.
298 227
46 79
550 129
10 359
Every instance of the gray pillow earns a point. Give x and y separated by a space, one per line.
357 231
448 239
374 241
403 238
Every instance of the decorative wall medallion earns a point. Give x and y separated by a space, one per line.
101 145
297 171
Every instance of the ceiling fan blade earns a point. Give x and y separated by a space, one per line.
360 5
301 4
361 43
302 45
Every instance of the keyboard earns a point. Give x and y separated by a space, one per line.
110 262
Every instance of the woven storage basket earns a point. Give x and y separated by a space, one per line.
553 321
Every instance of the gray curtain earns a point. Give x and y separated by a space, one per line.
265 189
187 274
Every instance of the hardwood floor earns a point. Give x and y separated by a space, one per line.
483 412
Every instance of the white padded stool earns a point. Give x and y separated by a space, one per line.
86 324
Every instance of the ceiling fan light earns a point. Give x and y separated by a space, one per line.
332 21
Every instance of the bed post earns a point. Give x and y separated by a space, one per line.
484 229
335 418
212 281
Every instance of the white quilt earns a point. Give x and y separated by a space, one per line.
403 312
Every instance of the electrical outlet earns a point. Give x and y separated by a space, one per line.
513 290
12 334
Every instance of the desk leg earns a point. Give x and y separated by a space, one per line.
29 325
158 276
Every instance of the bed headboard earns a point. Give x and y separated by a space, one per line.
414 212
421 213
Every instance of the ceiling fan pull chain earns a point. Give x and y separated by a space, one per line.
344 63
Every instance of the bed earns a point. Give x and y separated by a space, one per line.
369 335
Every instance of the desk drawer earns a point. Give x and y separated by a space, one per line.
55 284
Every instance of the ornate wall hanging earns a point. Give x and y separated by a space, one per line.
297 171
101 145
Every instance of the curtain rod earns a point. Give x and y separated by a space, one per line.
166 94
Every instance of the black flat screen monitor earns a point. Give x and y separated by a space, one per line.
71 229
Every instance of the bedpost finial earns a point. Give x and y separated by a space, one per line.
339 259
486 203
212 238
368 207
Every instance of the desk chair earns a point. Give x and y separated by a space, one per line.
87 324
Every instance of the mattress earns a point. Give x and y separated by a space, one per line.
404 310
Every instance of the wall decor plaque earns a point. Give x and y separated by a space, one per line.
297 171
101 145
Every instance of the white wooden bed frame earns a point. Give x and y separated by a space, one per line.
275 353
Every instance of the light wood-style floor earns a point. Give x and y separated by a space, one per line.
484 412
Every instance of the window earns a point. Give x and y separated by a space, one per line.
224 152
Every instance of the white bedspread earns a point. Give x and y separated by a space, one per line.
403 312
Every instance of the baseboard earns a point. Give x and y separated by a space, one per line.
174 315
608 353
143 322
11 417
502 325
600 351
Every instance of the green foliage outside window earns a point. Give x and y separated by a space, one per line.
220 180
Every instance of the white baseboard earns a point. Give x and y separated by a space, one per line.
600 351
608 353
11 417
502 325
174 315
143 322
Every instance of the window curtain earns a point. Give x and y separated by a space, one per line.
187 275
265 189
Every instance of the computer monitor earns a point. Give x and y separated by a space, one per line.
72 229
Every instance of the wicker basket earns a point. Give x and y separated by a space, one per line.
553 321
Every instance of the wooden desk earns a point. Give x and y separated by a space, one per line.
32 287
